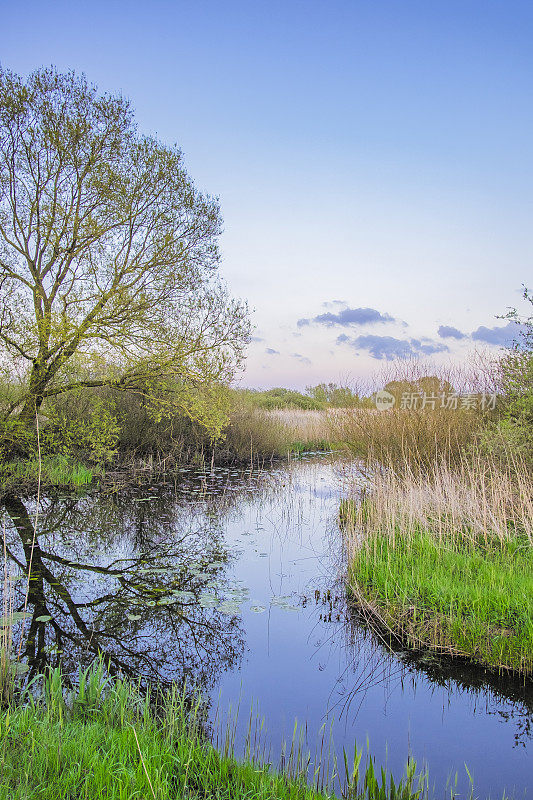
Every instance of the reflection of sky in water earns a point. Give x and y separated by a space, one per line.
234 579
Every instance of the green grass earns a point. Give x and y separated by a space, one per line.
312 446
105 741
453 595
55 471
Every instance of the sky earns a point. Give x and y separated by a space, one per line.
373 160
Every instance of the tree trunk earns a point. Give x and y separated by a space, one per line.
34 399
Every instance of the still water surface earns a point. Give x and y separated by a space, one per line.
233 580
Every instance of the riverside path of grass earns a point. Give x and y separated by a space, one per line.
105 741
453 596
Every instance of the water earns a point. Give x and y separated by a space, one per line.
234 580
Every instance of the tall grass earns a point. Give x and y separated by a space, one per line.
104 740
444 558
6 629
418 437
256 433
310 428
55 471
425 432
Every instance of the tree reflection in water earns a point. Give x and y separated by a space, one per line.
125 577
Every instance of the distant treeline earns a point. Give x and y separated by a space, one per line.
315 398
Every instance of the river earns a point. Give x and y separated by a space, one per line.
232 579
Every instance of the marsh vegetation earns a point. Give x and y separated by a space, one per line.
167 535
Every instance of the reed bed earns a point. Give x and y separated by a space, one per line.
418 437
257 433
6 632
310 428
443 559
103 739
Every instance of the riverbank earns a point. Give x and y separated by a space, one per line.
105 740
253 437
444 561
175 579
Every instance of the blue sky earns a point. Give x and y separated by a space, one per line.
373 159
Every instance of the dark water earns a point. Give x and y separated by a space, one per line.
234 581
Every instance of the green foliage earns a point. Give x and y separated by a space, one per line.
109 260
335 396
105 740
278 398
93 434
513 433
459 598
79 426
430 385
16 437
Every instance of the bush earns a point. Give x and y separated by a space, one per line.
512 434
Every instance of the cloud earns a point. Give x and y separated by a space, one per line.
257 339
300 358
270 352
427 346
347 317
499 335
449 332
388 347
334 303
502 335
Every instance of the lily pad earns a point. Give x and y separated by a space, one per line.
133 617
182 596
258 609
229 607
207 600
43 618
10 619
279 600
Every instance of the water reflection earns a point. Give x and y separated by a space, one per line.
127 577
233 580
387 663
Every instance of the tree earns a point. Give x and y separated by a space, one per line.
108 255
516 383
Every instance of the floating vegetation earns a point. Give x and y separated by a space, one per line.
183 595
12 618
229 607
207 600
283 602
